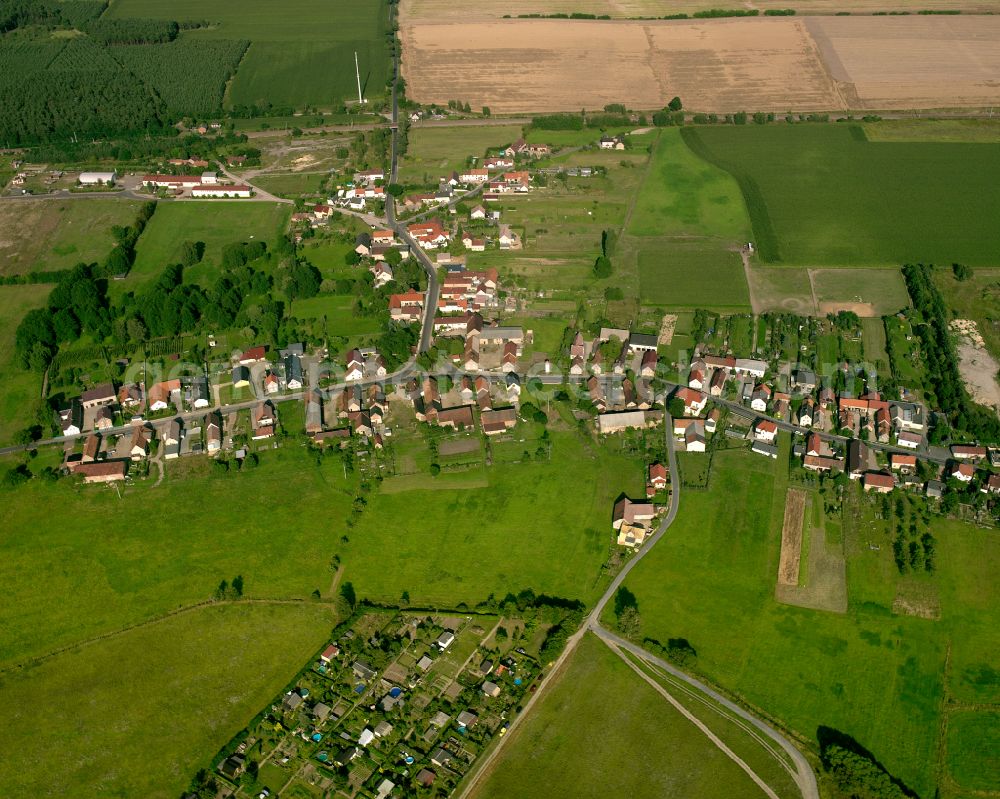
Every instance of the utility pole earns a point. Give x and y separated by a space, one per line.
357 73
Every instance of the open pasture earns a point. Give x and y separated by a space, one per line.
719 563
76 576
822 195
564 748
49 235
22 388
972 743
444 560
180 688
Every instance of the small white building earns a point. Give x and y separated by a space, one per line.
220 191
98 178
209 178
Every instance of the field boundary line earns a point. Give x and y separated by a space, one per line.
34 661
695 721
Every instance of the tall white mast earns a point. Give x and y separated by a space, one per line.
357 72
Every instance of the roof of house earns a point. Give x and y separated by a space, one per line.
879 480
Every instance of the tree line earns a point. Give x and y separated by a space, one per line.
941 357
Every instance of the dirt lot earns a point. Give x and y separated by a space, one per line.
437 10
791 537
724 65
977 367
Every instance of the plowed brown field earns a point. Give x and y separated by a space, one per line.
774 64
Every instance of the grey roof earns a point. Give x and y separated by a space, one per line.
241 373
199 388
765 449
293 368
298 348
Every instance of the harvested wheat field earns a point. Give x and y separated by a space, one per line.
442 10
774 64
911 62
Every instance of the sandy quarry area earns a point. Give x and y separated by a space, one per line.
976 365
722 65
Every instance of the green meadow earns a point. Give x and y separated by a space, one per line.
336 311
136 714
870 673
825 195
580 741
684 195
91 566
22 388
215 223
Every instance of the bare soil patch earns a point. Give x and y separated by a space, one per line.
976 365
860 308
779 64
459 447
667 327
791 537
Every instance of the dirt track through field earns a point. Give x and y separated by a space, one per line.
776 64
791 537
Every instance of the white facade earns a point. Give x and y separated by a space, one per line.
98 178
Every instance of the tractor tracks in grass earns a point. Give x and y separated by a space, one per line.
183 610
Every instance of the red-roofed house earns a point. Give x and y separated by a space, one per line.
765 430
880 482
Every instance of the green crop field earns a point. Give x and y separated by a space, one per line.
972 744
579 739
87 722
216 223
676 275
48 235
22 389
433 153
288 64
825 195
870 673
941 130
